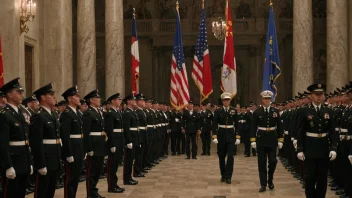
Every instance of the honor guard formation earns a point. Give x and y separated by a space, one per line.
47 145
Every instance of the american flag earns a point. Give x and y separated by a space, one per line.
201 73
135 57
179 95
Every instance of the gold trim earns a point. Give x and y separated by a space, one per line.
238 137
252 139
281 140
214 136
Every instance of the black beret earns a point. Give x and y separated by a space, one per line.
44 90
114 96
13 84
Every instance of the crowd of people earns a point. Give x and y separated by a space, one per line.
46 145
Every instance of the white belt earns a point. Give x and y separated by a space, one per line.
166 124
18 143
142 128
158 125
117 130
337 129
267 129
348 137
344 130
317 135
162 124
51 141
96 133
133 129
151 126
242 121
226 126
76 136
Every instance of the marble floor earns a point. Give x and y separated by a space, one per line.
176 177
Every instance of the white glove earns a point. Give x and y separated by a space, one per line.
70 159
43 171
295 143
11 173
91 153
286 132
31 173
280 144
350 158
238 141
215 140
113 149
292 138
129 145
332 155
254 145
140 146
300 156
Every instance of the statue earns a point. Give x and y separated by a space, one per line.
320 67
142 10
217 9
243 10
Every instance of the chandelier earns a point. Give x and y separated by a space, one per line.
27 13
219 28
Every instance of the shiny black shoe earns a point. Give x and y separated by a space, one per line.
228 181
147 168
262 189
203 154
130 182
187 158
99 196
271 186
223 179
334 188
138 175
115 190
144 171
340 192
248 155
117 186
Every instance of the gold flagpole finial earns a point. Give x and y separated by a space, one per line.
177 5
271 2
134 12
202 4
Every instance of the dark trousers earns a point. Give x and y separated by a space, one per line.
72 174
166 144
191 137
266 154
247 143
145 160
14 187
94 166
150 150
315 175
127 165
206 139
173 140
45 185
226 149
138 154
112 166
180 143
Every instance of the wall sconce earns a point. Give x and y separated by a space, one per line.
28 10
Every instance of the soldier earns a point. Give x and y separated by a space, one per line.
206 122
147 164
2 100
72 141
191 127
114 130
130 128
225 136
175 125
243 121
16 161
45 142
83 107
61 106
94 138
316 141
31 103
167 130
266 136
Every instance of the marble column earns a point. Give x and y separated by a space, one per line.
114 48
58 44
86 47
350 40
302 46
337 51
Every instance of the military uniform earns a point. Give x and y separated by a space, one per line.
191 125
243 121
139 150
148 157
94 142
206 128
166 126
176 135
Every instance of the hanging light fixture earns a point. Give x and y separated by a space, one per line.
28 11
219 28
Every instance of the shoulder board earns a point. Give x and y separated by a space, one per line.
109 110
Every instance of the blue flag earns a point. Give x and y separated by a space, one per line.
272 59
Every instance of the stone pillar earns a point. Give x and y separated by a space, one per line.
114 48
337 51
350 40
58 44
302 46
86 48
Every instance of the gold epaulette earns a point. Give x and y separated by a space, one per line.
280 140
252 139
238 137
214 136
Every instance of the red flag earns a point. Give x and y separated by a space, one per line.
135 57
228 74
1 67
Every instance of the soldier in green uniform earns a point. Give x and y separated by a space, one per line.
206 127
225 136
266 136
316 141
31 103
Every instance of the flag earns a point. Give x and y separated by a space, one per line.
228 72
1 67
179 95
135 57
272 60
201 73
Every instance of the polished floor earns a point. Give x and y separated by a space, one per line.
176 177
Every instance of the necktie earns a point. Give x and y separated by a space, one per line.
266 111
318 110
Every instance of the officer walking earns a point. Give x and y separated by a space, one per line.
266 136
15 154
94 142
225 136
316 141
114 130
72 141
45 142
191 127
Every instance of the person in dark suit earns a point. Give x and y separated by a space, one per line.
44 138
15 155
316 141
114 130
206 127
72 141
225 136
130 128
94 138
266 136
243 126
191 127
175 125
